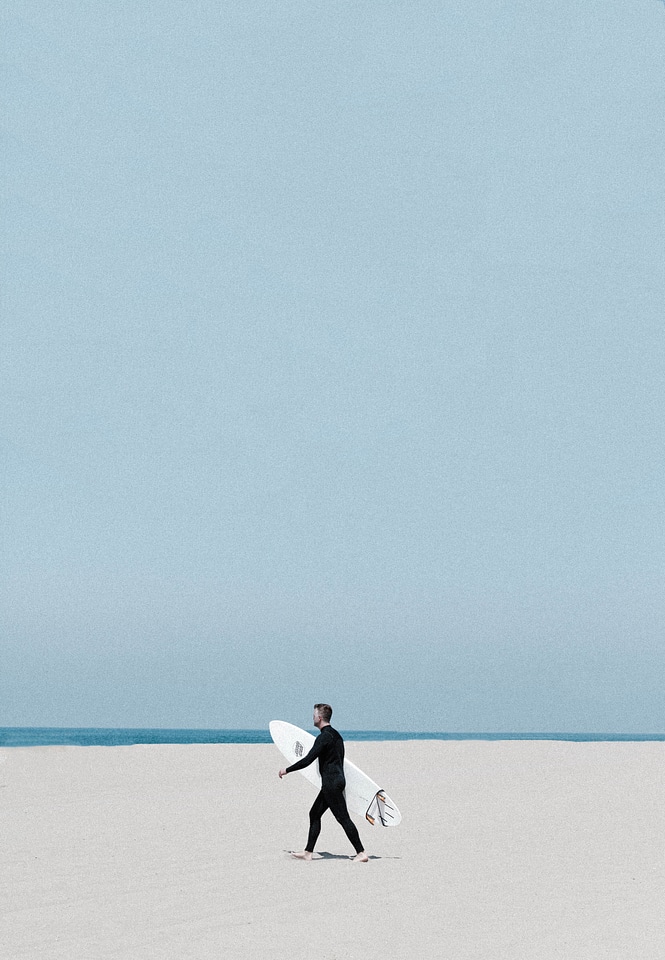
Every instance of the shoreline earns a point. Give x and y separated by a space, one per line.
120 736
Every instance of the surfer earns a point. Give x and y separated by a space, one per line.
329 750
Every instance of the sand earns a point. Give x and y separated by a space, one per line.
520 850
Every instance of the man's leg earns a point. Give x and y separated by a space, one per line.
339 810
319 807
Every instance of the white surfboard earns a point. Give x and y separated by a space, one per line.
363 796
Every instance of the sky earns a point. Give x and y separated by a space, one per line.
332 364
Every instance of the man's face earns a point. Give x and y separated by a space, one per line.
316 718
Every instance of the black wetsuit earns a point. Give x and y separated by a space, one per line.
329 750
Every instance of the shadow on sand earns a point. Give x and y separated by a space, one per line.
326 855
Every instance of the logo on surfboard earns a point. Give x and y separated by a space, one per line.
298 748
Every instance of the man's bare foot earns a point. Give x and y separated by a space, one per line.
305 855
360 857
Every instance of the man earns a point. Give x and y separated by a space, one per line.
329 750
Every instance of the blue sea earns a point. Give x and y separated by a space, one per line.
120 736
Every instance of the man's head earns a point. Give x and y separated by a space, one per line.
322 714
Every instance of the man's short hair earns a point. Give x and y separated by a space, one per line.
324 710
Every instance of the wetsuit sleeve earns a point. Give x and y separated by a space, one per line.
316 750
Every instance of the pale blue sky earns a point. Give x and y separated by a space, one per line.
333 363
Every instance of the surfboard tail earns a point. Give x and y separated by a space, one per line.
380 809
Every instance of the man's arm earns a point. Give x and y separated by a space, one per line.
317 747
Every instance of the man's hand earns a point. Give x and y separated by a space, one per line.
282 773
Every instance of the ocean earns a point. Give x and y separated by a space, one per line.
121 736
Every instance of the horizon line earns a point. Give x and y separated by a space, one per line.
420 733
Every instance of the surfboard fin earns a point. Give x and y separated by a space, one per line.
379 809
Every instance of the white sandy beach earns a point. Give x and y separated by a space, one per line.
507 851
